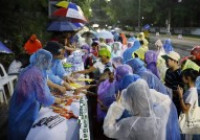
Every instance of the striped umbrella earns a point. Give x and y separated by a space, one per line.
69 10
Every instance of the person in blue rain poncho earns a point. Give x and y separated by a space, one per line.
124 76
127 55
30 93
152 80
168 46
57 73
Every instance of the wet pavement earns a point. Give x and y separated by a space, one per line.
183 47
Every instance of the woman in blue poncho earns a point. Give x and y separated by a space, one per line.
30 93
127 55
124 76
152 80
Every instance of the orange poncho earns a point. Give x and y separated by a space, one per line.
32 45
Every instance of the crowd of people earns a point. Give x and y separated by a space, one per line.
140 93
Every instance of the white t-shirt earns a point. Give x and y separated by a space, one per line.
14 67
191 96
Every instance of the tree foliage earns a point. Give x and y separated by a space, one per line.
183 14
20 19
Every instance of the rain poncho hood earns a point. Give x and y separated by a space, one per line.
122 70
168 46
32 45
124 76
143 39
137 65
41 59
151 60
150 57
190 64
160 48
127 80
139 103
105 52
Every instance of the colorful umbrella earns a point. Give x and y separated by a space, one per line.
62 26
65 4
70 10
4 49
79 25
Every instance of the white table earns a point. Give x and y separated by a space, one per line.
66 130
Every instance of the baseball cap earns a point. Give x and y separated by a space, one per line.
172 55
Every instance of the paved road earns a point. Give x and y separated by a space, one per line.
183 46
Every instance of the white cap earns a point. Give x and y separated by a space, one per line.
173 55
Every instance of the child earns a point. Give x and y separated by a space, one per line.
190 98
173 76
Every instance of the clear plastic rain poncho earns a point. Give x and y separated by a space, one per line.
165 109
116 49
153 81
154 115
30 93
142 125
161 63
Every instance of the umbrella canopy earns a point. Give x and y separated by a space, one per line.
4 49
70 10
79 25
147 27
90 34
105 34
62 26
65 4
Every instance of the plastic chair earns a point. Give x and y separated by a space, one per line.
6 79
3 98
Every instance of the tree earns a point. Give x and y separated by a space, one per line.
183 14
